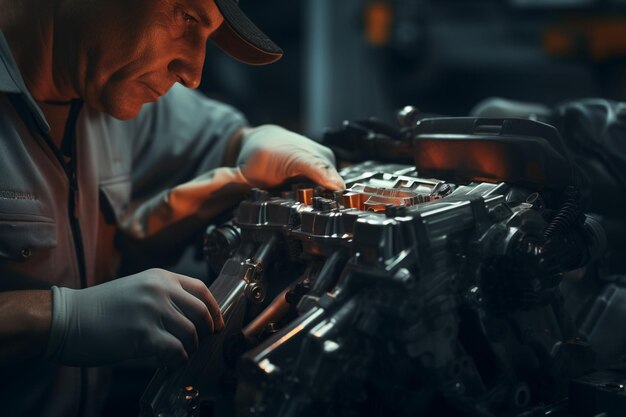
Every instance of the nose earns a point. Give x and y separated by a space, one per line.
187 66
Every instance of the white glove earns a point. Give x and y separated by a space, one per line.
270 155
155 313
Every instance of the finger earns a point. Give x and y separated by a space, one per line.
195 310
322 172
200 291
179 326
170 350
334 180
327 153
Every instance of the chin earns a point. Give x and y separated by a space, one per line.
123 112
122 109
122 106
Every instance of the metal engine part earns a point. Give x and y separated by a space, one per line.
401 295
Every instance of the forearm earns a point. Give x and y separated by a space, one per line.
25 318
187 206
233 147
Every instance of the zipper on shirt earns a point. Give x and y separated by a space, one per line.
68 150
68 147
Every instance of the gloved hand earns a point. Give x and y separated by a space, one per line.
270 155
153 313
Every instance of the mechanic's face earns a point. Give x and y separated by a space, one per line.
132 51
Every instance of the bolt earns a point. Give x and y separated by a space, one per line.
26 253
255 292
408 116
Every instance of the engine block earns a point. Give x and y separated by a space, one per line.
401 295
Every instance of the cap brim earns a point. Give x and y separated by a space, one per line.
241 39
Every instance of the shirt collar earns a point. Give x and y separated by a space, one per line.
10 78
11 81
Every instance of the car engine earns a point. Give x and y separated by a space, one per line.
431 285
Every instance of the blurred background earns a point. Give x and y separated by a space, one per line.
354 59
350 59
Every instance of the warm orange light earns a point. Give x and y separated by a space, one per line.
607 39
481 160
596 37
378 20
489 158
558 42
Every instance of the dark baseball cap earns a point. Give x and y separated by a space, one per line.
241 39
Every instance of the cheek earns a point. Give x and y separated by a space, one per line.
117 50
121 65
119 97
128 49
123 103
150 52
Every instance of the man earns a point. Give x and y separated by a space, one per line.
90 146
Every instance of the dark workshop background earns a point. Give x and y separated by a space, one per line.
352 59
358 58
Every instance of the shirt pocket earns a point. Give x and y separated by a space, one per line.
115 198
23 236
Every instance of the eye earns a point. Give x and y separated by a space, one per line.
189 18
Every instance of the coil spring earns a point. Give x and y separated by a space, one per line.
567 216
